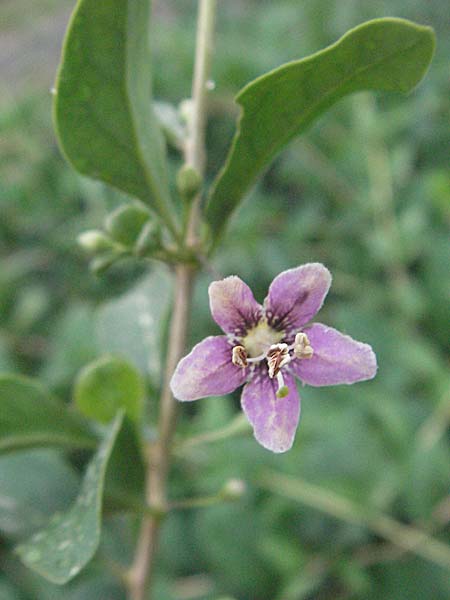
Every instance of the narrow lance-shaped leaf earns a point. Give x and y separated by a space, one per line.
103 112
30 417
60 551
383 54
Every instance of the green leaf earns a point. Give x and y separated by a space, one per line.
133 324
60 551
30 417
103 110
383 54
108 384
34 484
125 476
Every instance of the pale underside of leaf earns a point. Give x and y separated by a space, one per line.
66 545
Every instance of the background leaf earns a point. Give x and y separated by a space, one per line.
108 384
103 111
60 551
133 324
30 417
383 54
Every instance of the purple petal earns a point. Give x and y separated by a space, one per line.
274 420
337 358
233 306
207 371
296 295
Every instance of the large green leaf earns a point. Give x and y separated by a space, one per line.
383 54
103 111
60 551
30 417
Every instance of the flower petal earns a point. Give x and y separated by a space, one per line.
296 295
233 306
274 420
207 371
337 358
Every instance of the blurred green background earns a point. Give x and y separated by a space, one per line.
366 191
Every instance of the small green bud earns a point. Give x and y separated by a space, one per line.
233 489
185 110
149 240
94 241
189 182
125 224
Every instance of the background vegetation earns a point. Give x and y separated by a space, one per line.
366 192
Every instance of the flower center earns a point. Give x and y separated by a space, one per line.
260 338
264 343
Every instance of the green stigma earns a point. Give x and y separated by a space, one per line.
283 391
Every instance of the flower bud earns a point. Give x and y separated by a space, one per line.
233 489
94 241
125 224
189 182
185 110
149 240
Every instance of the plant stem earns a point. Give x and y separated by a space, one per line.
195 147
159 459
381 190
238 426
140 574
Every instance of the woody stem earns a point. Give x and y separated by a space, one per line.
140 574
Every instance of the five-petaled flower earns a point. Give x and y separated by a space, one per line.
266 346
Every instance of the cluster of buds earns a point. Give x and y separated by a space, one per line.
127 231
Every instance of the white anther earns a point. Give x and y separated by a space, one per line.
302 346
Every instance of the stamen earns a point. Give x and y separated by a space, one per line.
302 346
277 357
239 356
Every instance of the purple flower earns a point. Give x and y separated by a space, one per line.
266 347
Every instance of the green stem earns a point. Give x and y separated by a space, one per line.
238 426
381 193
406 537
195 147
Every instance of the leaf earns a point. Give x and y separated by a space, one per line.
33 485
125 477
383 54
106 385
30 417
103 111
132 325
60 551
